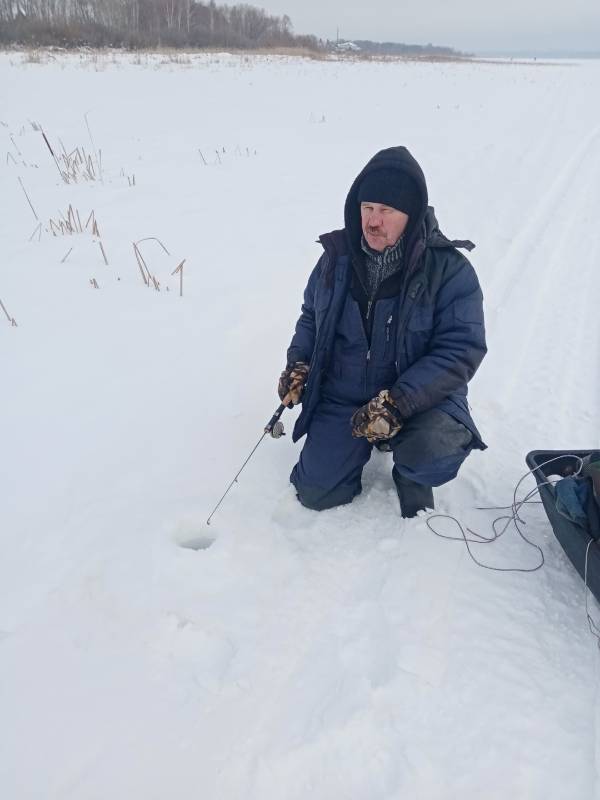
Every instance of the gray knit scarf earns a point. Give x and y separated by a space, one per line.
379 266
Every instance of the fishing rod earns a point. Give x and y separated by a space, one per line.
273 428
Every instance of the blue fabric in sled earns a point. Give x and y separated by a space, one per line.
572 498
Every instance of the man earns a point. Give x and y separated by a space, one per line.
391 331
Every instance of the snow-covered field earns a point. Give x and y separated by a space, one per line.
349 654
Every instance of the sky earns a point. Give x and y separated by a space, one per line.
473 25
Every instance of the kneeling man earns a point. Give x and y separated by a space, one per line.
391 331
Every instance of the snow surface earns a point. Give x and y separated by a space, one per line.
349 654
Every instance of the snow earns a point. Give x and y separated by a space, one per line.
347 654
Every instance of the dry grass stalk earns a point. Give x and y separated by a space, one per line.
74 219
10 155
94 283
38 228
97 153
28 200
74 166
70 223
12 138
153 239
141 264
67 254
8 316
52 154
202 157
103 254
179 269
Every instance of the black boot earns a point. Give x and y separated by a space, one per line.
413 496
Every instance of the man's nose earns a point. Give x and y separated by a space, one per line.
375 219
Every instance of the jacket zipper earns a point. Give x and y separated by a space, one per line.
387 328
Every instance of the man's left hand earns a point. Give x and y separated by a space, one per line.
377 420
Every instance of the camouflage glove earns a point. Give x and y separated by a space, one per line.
379 419
291 383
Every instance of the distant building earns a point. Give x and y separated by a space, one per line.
348 47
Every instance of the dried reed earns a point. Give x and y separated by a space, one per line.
28 200
38 228
8 316
179 269
141 264
76 165
146 274
103 254
70 223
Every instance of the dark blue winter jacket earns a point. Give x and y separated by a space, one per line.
438 333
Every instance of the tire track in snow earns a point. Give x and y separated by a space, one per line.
536 229
547 310
551 300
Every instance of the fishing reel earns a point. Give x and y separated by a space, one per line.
274 426
277 431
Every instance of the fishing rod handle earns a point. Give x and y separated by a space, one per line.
275 418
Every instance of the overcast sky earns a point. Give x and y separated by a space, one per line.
463 24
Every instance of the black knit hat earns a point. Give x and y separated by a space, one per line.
391 188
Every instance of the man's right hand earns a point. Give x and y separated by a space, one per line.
291 383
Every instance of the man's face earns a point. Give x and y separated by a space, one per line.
382 226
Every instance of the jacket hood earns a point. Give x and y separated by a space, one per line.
393 158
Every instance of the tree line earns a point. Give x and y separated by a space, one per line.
145 23
398 49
